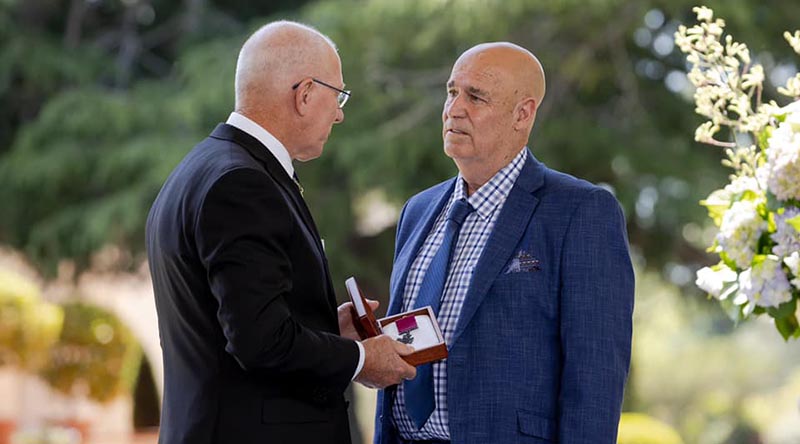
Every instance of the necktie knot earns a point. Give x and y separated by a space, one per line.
459 211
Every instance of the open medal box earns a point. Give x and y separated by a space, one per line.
417 328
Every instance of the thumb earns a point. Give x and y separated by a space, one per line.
403 349
373 304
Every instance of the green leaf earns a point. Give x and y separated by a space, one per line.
788 327
716 210
727 260
728 289
763 137
730 309
747 195
764 246
771 226
758 259
784 310
772 202
794 222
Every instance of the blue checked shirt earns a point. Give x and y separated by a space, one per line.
488 200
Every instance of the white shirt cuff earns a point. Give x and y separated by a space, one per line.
360 360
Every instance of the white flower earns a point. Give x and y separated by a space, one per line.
713 281
794 40
741 184
791 108
735 49
786 237
793 118
739 232
705 132
783 159
792 88
765 284
740 105
753 78
704 14
733 191
793 262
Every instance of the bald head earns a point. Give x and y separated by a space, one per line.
274 58
511 64
493 94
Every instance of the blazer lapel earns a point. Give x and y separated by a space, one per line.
509 228
406 257
274 169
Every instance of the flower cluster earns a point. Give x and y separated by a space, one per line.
758 212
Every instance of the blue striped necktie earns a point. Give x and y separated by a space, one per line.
419 391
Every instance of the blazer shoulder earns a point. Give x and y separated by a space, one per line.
216 158
572 189
420 202
201 170
566 183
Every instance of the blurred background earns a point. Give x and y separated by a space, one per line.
100 99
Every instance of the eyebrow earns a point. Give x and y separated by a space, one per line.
470 89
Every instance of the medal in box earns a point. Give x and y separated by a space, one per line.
417 328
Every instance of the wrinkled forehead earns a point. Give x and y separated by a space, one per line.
478 68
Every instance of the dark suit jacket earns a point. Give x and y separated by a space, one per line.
246 310
541 349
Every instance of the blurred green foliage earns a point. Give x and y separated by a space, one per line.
638 428
98 104
96 355
715 384
88 152
28 325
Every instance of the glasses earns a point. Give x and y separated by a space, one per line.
341 99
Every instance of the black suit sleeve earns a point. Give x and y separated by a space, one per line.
244 232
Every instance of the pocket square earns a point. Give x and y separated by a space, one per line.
523 262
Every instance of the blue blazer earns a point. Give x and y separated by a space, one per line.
541 350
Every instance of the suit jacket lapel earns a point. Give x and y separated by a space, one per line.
509 228
274 169
423 224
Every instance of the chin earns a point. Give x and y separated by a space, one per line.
310 154
455 151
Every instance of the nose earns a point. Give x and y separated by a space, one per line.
453 106
339 116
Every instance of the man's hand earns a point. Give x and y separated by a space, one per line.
383 364
347 319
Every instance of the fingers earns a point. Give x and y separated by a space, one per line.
403 349
409 372
383 364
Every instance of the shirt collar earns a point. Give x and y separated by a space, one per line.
268 140
493 193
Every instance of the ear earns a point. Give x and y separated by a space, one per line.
525 114
302 96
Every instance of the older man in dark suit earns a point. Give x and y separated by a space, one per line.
246 310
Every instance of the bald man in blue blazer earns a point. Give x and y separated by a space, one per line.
536 298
